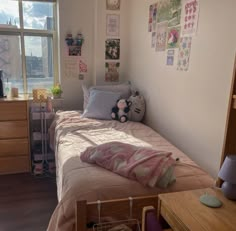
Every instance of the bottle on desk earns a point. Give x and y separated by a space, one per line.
7 89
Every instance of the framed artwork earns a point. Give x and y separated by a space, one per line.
152 18
173 36
74 50
112 71
112 49
113 25
189 20
169 11
113 4
170 57
184 53
161 36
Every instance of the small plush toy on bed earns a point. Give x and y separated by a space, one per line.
119 112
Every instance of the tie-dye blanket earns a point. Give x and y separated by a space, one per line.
143 164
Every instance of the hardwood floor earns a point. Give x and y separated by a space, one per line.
26 202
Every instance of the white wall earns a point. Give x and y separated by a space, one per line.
188 108
88 17
100 38
76 16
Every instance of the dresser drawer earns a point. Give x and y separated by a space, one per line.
14 164
13 111
15 147
13 129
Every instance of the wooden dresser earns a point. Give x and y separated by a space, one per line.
14 136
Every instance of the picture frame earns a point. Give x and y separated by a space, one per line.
113 25
113 4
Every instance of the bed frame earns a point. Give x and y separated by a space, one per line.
119 208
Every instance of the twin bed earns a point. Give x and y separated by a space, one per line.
80 181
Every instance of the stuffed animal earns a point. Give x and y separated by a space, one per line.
137 109
120 111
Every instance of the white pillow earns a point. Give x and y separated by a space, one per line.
100 104
124 89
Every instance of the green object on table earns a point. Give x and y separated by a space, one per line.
210 201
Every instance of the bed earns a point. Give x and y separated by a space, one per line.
80 181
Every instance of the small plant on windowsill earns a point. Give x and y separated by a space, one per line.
56 91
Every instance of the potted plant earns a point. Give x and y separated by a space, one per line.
56 91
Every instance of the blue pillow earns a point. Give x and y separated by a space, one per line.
100 104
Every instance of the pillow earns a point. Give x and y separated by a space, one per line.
100 104
124 89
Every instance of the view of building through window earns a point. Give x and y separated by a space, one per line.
27 42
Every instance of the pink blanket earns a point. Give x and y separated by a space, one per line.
143 164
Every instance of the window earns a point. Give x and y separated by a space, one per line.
28 43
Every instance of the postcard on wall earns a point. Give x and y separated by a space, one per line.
153 39
112 49
74 50
169 11
189 18
173 37
184 53
83 68
161 36
71 66
113 4
152 17
113 25
112 71
170 57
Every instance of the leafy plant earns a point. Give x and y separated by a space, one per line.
56 90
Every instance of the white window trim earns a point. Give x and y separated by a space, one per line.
34 32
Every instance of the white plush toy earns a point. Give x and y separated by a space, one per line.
120 111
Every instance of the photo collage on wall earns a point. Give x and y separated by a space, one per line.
172 24
75 65
112 43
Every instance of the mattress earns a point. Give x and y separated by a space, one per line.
77 180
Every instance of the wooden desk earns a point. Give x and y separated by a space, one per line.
183 211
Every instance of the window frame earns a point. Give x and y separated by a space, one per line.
22 32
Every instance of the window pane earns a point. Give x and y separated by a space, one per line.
10 60
38 15
39 62
9 14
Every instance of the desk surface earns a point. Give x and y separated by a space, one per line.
190 214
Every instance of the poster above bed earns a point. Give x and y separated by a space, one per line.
170 21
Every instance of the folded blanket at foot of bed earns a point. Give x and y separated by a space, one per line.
148 166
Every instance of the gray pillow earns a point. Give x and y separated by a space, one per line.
124 89
100 104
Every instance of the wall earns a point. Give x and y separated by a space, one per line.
188 108
100 38
76 16
88 17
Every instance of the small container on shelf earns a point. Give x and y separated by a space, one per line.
40 95
51 167
38 168
38 157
